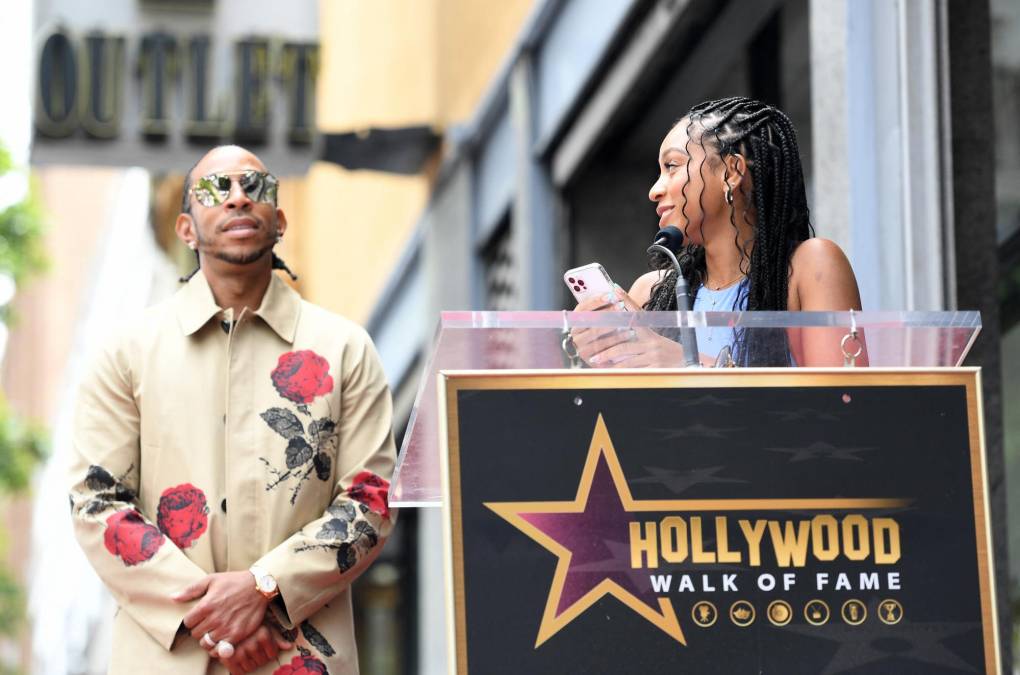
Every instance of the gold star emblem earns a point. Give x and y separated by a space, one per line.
521 515
584 532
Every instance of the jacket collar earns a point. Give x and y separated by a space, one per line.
280 308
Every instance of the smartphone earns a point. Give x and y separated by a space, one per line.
588 281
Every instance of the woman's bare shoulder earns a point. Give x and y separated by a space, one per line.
641 290
818 251
822 278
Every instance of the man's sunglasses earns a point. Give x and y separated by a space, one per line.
214 189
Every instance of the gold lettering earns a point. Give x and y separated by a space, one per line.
674 539
886 555
698 552
856 545
648 545
825 537
753 534
722 540
790 546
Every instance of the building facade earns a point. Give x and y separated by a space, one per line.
463 154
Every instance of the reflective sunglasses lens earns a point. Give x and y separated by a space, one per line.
269 189
252 183
207 192
214 189
259 186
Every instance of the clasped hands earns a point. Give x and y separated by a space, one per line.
623 347
232 611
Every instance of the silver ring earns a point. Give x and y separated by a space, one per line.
224 649
846 340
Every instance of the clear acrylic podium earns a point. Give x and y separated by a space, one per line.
535 341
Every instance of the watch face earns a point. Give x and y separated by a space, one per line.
267 584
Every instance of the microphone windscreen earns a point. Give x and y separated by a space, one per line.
671 237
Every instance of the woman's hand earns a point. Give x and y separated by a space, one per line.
591 341
623 347
638 348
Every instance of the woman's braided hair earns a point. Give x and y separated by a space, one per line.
778 216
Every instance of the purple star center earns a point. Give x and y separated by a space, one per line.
592 536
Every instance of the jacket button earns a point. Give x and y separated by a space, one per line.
223 505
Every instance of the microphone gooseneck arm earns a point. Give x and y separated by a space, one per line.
688 338
683 298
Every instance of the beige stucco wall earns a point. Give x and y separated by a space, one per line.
378 63
474 40
385 63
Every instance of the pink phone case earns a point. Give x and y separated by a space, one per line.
587 281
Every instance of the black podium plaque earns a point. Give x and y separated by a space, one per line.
718 522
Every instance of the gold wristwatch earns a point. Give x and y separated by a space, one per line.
265 583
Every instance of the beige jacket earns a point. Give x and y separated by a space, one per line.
204 446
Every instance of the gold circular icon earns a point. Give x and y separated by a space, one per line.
854 612
890 612
742 613
704 613
816 612
779 612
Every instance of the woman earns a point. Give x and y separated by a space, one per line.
730 179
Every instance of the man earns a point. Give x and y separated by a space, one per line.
231 454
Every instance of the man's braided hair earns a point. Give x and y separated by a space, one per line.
778 216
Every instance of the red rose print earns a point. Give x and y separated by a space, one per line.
301 376
302 665
183 514
372 491
130 538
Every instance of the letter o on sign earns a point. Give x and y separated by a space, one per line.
56 114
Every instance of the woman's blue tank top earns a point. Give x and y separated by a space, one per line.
733 298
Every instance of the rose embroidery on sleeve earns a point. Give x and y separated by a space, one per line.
130 538
183 514
301 376
302 665
346 532
317 639
104 490
372 491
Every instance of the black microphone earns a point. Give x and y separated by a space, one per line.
668 240
669 237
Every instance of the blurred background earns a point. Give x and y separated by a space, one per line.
460 154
